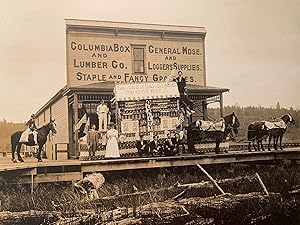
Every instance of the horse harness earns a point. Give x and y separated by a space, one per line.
218 125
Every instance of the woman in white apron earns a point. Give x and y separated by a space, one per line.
112 148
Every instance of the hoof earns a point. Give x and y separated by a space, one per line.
40 160
21 160
14 160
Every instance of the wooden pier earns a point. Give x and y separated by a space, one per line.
57 171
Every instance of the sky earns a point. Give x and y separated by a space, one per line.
251 47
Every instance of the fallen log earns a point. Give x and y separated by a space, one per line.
28 217
234 209
238 209
180 187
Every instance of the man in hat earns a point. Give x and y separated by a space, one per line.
142 146
92 140
181 83
102 111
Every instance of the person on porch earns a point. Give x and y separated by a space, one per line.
92 141
112 148
102 111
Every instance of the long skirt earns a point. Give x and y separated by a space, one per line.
112 148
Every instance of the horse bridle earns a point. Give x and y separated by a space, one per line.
291 118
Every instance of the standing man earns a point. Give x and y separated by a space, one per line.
92 141
181 83
102 111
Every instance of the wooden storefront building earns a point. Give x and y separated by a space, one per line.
100 54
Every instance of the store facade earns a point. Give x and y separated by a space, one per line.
102 55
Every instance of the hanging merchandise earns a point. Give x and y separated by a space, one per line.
149 114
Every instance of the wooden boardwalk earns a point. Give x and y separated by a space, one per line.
55 171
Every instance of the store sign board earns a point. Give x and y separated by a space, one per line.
94 58
129 126
138 91
169 123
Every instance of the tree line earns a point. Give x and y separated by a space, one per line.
249 114
7 129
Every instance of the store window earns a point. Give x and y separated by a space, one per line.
138 59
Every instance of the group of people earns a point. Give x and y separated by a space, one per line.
107 130
112 148
172 145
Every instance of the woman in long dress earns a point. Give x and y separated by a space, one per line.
112 148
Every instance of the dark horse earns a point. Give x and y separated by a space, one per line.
196 134
278 133
258 130
41 138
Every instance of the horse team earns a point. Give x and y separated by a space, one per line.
225 128
273 129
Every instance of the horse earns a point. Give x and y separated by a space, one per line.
257 131
271 129
218 131
277 133
41 138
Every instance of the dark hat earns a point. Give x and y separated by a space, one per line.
111 124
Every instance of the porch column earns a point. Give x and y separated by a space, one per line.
76 145
221 105
71 146
204 109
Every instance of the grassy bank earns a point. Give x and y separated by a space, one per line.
64 199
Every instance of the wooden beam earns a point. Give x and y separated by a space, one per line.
221 105
262 184
210 177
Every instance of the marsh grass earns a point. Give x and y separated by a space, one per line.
63 198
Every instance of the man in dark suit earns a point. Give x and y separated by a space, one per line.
178 143
181 83
155 146
142 146
169 146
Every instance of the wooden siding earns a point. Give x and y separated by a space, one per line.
59 112
97 57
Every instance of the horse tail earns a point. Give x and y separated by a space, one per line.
14 138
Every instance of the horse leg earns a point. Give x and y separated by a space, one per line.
18 152
275 140
13 149
258 143
262 146
280 142
38 153
270 137
217 149
249 146
254 146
